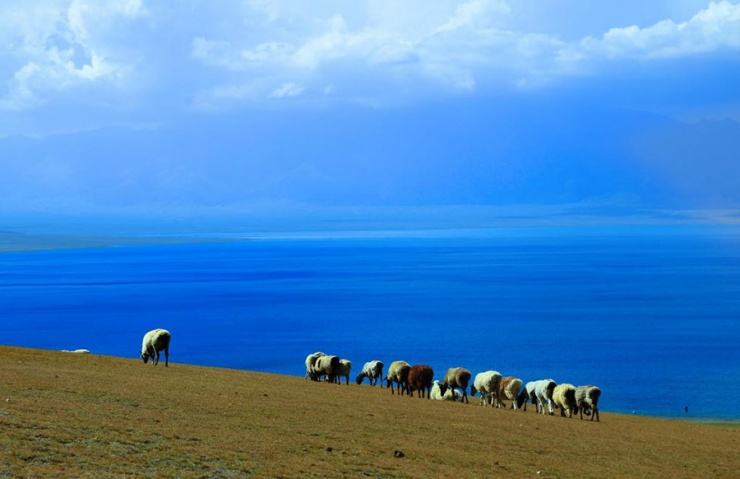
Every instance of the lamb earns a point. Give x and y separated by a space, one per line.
373 370
438 394
587 400
155 341
420 379
458 378
310 363
326 365
487 384
398 373
564 397
543 390
345 366
509 389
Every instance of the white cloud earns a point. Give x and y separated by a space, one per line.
286 90
58 46
467 47
260 50
713 28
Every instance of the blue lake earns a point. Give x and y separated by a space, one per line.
652 319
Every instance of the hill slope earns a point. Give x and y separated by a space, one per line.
69 415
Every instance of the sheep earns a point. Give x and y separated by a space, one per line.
345 366
420 379
543 390
458 378
398 373
155 341
373 370
486 383
564 397
448 394
528 395
587 400
76 351
509 389
326 365
310 363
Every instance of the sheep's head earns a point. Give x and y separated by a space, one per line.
359 378
473 390
522 398
443 388
145 357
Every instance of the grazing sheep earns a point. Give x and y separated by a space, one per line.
509 389
155 341
345 366
398 373
458 378
76 351
487 384
564 397
420 379
543 390
528 395
373 370
326 365
310 363
587 401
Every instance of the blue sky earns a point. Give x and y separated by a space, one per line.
247 108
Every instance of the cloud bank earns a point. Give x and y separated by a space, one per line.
228 54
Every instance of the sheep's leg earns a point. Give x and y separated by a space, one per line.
156 361
595 414
166 357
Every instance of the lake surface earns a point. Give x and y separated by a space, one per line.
652 319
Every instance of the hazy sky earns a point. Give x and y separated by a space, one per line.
230 107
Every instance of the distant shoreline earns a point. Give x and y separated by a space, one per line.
11 242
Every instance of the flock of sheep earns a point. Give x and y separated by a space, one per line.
402 378
494 389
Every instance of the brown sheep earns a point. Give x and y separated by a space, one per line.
420 379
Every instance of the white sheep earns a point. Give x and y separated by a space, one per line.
528 395
564 397
398 373
441 393
487 383
345 366
543 390
76 351
587 400
326 365
310 363
373 370
155 341
458 378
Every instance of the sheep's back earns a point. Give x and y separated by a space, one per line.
420 376
564 395
399 370
457 377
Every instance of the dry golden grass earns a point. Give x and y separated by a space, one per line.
66 415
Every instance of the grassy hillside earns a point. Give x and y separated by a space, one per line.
92 416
